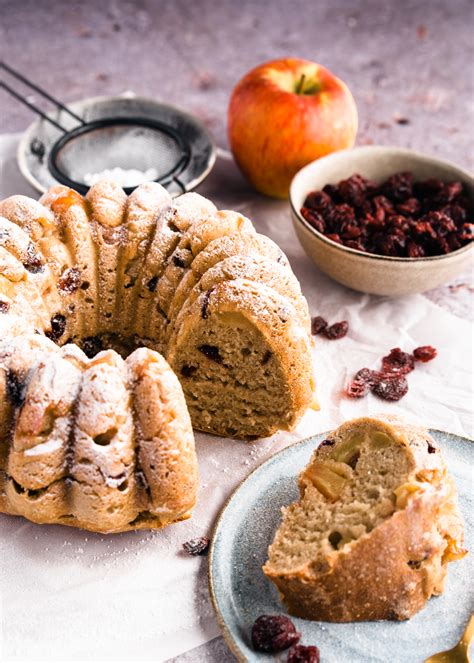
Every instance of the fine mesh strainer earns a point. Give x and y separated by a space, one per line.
128 133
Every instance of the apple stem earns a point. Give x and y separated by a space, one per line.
300 84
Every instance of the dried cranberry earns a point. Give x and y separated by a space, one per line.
335 237
399 187
442 223
198 546
428 188
414 250
14 389
205 303
448 193
70 280
411 207
340 216
327 443
453 242
178 261
187 371
266 357
398 362
211 352
318 200
352 232
274 633
456 213
366 375
382 207
467 232
390 387
33 262
356 244
58 325
399 218
152 283
4 306
431 448
352 190
332 190
303 654
424 227
314 218
337 330
425 353
318 324
357 389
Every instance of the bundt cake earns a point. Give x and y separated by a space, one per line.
102 444
198 285
375 526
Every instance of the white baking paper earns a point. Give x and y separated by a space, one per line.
71 595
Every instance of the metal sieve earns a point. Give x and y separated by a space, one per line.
139 135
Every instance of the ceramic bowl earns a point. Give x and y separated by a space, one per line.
366 272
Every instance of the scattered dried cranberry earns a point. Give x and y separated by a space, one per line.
389 383
303 654
425 353
197 546
337 330
357 389
366 375
398 362
390 387
4 307
398 218
274 633
318 324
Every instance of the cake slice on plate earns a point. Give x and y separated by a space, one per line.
375 526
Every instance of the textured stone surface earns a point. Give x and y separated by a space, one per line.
408 64
405 61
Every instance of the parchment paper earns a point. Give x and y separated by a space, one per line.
70 595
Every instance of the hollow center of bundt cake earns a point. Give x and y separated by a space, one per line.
124 346
351 486
92 345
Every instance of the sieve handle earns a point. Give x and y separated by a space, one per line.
41 92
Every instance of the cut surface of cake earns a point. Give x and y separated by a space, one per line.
374 529
111 271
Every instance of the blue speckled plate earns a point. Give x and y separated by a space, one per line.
240 592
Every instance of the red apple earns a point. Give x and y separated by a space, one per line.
284 114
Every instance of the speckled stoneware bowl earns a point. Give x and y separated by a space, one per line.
367 272
240 591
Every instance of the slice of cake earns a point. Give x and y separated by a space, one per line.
375 526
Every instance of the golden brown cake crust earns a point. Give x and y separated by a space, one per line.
103 444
